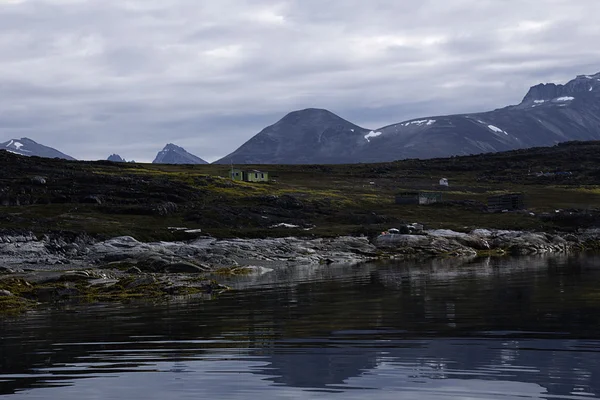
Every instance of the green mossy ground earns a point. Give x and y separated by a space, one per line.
143 200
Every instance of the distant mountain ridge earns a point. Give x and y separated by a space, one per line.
173 154
548 114
28 147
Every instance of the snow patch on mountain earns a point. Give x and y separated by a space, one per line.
420 122
372 134
495 129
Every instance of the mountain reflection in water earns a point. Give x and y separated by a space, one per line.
499 328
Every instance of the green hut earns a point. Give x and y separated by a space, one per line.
254 175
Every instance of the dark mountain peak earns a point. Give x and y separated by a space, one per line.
171 146
173 154
116 158
543 91
311 115
581 85
308 136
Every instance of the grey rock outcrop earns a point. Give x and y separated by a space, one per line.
446 242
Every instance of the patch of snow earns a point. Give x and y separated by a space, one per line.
496 129
539 101
18 145
371 134
193 231
284 225
565 98
591 88
14 152
10 143
421 122
351 130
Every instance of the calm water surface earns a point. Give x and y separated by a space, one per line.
525 328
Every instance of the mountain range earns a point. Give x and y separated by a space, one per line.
548 114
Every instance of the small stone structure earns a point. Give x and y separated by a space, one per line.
508 202
421 198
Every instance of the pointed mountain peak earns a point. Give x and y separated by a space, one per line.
116 158
173 154
171 146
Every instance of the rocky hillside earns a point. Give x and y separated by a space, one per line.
28 147
172 154
548 114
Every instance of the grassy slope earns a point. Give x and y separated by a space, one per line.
337 199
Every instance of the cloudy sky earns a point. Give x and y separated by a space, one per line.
93 77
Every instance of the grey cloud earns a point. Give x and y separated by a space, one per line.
92 77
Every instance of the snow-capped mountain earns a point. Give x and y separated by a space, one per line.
28 147
548 114
172 154
116 158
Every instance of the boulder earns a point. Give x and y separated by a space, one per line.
38 180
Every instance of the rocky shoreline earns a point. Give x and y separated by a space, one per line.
36 270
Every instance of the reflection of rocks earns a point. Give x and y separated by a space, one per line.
446 242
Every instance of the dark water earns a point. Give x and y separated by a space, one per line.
525 328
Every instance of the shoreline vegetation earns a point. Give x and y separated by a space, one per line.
67 228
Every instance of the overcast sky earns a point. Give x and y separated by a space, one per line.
93 77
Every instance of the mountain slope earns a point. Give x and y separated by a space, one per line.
28 147
172 154
548 114
308 136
